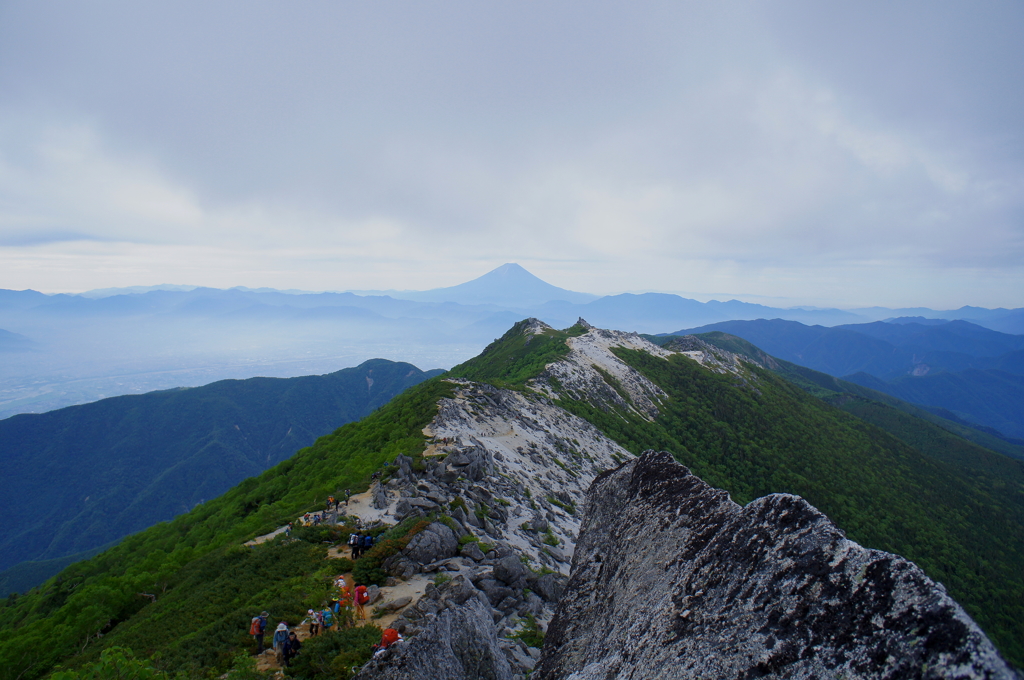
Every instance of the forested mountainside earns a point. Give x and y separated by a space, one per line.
81 477
955 369
991 398
908 422
512 437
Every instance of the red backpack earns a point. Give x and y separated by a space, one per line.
389 638
361 596
257 626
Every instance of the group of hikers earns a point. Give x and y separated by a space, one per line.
345 607
285 642
359 543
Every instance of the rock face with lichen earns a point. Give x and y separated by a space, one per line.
672 579
462 643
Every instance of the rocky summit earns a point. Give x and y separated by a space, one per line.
672 579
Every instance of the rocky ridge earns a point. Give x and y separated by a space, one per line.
672 579
510 470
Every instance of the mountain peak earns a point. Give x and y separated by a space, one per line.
509 285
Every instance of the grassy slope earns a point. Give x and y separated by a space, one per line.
517 356
205 583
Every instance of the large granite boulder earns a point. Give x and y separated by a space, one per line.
672 579
436 542
460 644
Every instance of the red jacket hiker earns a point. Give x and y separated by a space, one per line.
361 596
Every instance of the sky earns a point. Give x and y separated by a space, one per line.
836 154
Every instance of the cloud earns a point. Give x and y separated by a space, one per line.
682 147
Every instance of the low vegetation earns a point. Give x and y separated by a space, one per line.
207 585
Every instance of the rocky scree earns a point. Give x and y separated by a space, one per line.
672 579
508 472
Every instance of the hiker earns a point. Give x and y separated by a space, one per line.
291 649
390 637
280 640
314 622
257 629
367 544
328 617
346 603
354 541
361 599
288 529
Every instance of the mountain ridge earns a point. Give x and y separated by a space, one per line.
87 475
485 471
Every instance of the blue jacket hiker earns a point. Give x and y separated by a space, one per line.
280 640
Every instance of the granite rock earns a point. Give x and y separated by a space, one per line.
771 589
461 643
436 542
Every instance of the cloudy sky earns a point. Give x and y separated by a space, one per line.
821 153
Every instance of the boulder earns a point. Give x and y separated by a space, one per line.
396 604
550 586
472 551
424 503
436 542
460 644
719 590
511 570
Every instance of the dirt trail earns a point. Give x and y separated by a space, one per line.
361 506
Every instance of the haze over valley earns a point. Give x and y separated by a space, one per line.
60 350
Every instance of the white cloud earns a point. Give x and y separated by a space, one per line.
685 148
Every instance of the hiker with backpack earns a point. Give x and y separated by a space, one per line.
280 640
257 628
354 541
313 621
361 599
367 544
328 618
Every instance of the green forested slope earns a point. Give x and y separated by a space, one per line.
81 477
838 392
964 530
206 584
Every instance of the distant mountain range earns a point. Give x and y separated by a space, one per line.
81 477
955 368
122 341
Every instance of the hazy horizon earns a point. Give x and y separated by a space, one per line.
836 156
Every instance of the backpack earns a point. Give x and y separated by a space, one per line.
257 626
353 539
367 541
361 595
328 618
390 637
